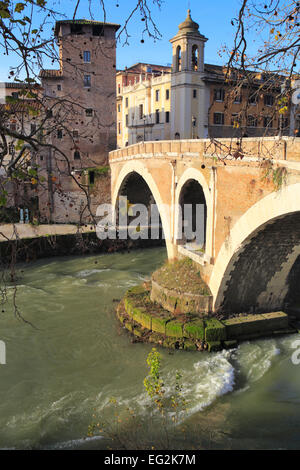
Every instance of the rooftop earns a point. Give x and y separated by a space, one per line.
84 22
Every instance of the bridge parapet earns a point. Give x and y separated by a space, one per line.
275 148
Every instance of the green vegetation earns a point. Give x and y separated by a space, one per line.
182 276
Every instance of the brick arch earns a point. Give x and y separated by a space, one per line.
194 174
259 254
141 169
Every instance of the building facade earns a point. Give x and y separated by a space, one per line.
193 99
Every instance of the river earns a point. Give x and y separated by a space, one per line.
76 366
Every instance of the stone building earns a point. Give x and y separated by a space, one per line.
19 114
80 97
193 99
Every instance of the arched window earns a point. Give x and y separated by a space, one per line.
178 59
76 155
177 136
195 58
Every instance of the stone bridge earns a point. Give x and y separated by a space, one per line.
250 257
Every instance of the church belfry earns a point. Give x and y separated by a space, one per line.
188 90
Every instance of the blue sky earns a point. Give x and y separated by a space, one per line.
213 17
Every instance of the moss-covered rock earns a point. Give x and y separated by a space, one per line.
174 329
150 322
194 329
214 330
189 345
159 324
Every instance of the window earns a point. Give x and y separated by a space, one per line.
141 111
194 93
268 100
11 149
119 127
98 30
195 58
87 56
237 99
13 127
119 88
253 99
59 134
76 28
219 119
194 121
178 59
157 95
87 80
76 155
284 122
119 108
157 116
167 94
268 121
219 94
75 134
15 95
59 87
167 116
91 177
126 102
89 112
251 121
126 120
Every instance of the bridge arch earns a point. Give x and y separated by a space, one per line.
253 269
136 167
190 175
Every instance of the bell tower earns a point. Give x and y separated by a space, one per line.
189 100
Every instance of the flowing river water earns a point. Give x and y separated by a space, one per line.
76 366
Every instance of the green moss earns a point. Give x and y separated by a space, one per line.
194 329
128 325
159 324
141 316
214 330
174 329
137 332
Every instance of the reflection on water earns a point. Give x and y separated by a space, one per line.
68 368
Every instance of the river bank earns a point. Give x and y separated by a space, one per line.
24 242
